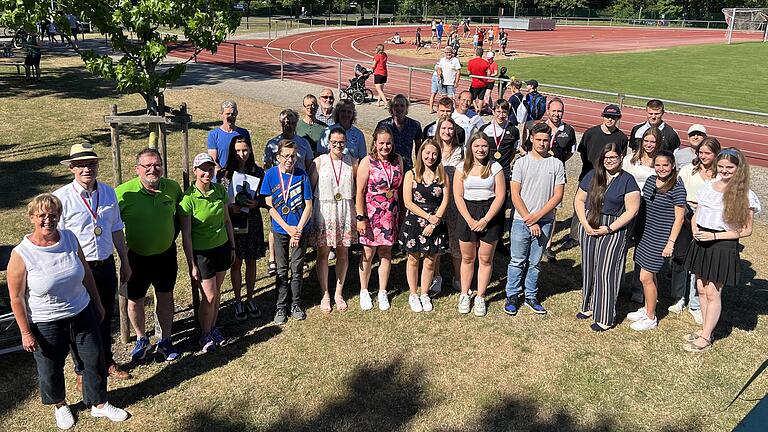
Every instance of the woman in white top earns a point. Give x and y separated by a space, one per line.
56 305
333 218
694 176
479 191
640 163
453 160
726 209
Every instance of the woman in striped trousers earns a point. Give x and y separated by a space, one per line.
608 198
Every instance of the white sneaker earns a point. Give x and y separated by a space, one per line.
383 300
109 411
636 315
426 303
464 303
480 308
365 300
437 285
64 418
645 324
696 313
677 307
415 303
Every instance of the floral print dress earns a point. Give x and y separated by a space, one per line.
332 218
382 202
428 197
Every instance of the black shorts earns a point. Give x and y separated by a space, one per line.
478 209
379 79
157 270
32 60
477 93
212 261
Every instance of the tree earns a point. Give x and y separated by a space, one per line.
134 28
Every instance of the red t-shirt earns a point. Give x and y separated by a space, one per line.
478 66
381 64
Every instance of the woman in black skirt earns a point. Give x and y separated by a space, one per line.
725 213
479 190
249 233
424 234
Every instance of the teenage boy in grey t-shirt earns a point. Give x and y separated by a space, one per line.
537 185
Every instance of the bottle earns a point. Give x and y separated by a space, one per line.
242 197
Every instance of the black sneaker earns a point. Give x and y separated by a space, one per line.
297 313
240 312
252 309
550 254
280 317
569 244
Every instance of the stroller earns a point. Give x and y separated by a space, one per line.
357 90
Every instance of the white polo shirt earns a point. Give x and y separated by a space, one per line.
76 217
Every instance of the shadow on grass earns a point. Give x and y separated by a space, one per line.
743 305
33 177
18 374
189 365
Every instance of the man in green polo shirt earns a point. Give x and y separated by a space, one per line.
148 206
309 126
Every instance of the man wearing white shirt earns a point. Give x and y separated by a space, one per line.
449 72
90 211
469 120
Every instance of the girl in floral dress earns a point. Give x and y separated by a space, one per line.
423 234
379 175
333 215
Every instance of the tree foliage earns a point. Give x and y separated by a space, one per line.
134 29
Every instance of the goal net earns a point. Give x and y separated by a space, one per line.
746 23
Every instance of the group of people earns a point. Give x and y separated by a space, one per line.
442 189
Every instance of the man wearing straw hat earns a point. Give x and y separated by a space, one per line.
90 211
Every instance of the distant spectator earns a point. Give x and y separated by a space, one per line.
696 134
379 68
309 127
449 73
325 110
479 67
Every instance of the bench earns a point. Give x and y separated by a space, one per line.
10 339
18 65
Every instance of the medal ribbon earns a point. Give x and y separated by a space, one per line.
497 139
335 176
95 214
388 174
283 191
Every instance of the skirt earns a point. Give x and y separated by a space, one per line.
716 261
478 209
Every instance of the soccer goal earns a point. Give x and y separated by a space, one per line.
749 22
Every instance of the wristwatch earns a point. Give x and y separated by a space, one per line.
610 231
361 218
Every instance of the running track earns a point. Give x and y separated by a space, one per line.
355 45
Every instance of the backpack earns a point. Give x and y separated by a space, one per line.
537 105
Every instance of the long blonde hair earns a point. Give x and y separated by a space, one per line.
469 159
419 166
736 192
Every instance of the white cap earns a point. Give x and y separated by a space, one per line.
201 159
697 128
490 54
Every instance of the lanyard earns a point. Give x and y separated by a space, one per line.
284 192
337 177
94 213
388 174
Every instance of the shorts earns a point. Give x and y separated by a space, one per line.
479 44
379 79
157 270
478 209
448 90
212 261
32 60
477 92
436 86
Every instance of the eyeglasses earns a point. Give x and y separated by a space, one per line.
289 156
147 167
338 143
89 165
49 216
612 158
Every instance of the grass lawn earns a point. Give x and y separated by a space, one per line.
384 371
720 75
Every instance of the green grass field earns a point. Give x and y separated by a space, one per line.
731 76
372 371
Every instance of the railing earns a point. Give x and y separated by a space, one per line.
278 55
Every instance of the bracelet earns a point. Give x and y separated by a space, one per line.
671 241
608 227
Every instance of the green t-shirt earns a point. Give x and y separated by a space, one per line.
207 211
150 219
312 132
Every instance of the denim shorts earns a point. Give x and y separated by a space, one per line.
448 90
435 84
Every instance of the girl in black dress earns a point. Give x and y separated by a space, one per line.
423 234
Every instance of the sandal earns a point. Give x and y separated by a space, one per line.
272 268
690 337
692 347
341 305
325 304
584 315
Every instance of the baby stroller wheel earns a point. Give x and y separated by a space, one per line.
368 95
358 97
343 94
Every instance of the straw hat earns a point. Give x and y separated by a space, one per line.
80 152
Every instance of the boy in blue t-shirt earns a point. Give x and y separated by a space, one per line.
288 194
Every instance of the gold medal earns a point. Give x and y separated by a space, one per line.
497 155
97 230
390 194
286 210
337 196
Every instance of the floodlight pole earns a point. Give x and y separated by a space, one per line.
378 4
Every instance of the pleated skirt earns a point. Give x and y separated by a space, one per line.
716 261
